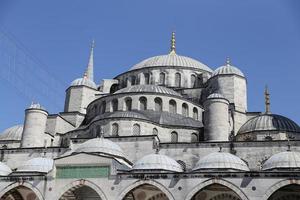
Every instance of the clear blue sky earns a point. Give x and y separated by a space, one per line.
261 37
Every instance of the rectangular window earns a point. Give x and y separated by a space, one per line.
82 171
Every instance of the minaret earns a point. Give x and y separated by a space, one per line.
90 66
173 44
267 100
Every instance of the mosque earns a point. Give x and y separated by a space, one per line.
169 128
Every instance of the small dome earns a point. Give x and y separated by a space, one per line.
221 160
40 164
216 96
269 122
148 88
12 133
100 145
283 160
84 81
157 162
227 69
171 60
4 169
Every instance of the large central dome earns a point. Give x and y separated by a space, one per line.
171 60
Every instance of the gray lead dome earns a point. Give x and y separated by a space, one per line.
171 60
269 122
148 88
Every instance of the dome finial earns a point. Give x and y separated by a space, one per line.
173 43
267 100
228 61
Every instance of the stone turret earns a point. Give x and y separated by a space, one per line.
216 118
34 126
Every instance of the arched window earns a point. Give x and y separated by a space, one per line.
155 131
114 129
114 105
158 104
194 137
133 80
147 78
143 103
126 82
128 103
174 137
98 131
172 106
193 80
195 113
136 129
177 80
103 107
162 78
185 110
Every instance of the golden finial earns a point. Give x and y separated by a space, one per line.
228 61
93 44
173 43
267 100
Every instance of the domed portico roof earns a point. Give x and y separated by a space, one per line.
221 161
157 162
39 164
100 145
4 169
12 133
171 60
269 122
283 160
227 69
148 88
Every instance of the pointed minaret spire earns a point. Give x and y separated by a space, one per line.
267 100
173 43
90 68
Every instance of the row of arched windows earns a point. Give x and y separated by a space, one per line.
136 130
143 105
148 79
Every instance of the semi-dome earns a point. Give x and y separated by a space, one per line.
171 60
148 88
221 161
228 69
283 160
4 169
100 145
39 164
122 114
269 122
84 82
12 133
157 162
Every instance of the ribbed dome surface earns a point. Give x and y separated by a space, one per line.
221 160
100 145
84 81
39 164
157 162
171 60
4 169
12 133
215 96
283 160
269 122
227 69
148 88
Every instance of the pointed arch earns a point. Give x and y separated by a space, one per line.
177 79
271 190
80 183
138 183
208 182
158 104
27 185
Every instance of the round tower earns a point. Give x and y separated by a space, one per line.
216 118
34 126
